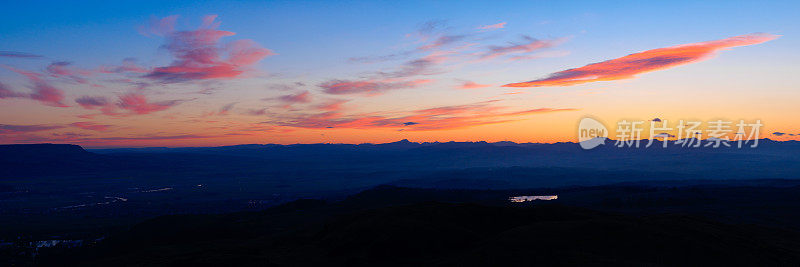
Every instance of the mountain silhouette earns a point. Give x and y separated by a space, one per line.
366 230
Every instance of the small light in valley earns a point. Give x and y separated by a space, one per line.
532 198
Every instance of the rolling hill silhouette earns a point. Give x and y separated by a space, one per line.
435 203
371 229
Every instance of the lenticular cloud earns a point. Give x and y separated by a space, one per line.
629 66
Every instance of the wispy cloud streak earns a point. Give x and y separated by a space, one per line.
629 66
440 118
138 104
301 97
493 26
472 85
43 91
15 54
369 87
528 45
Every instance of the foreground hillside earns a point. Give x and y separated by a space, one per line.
100 204
373 229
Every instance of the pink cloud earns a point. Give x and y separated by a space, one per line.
629 66
368 87
530 45
472 85
433 36
199 55
301 97
493 26
91 102
42 90
101 103
138 104
7 93
66 69
128 65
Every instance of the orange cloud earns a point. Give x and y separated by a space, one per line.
629 66
439 118
514 93
472 85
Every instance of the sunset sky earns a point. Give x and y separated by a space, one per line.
147 73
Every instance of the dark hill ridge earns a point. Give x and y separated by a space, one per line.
32 160
367 230
406 144
772 159
41 150
223 179
52 190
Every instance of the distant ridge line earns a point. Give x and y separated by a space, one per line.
609 141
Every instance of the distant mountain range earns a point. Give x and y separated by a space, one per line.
771 159
43 177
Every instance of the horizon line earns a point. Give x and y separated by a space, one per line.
356 144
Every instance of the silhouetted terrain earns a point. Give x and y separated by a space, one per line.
718 200
379 227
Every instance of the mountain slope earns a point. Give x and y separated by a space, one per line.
356 233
